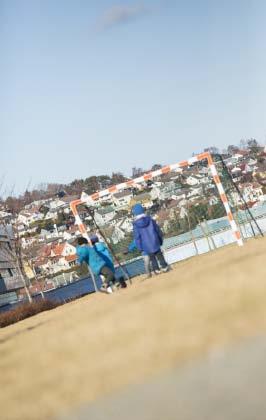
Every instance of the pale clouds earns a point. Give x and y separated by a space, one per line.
122 14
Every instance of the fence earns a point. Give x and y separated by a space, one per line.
176 248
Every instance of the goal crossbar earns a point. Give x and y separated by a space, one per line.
150 175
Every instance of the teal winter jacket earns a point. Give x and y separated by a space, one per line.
102 249
94 259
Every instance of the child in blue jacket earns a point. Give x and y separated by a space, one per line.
148 261
98 257
148 237
102 249
96 261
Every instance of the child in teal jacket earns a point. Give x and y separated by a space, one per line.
98 257
103 250
96 261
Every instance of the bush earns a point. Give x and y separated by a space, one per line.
26 310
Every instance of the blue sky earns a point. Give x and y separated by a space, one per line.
91 87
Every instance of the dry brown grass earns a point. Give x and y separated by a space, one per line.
26 310
60 359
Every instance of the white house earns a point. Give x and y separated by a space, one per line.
236 170
194 191
57 257
251 192
192 180
156 193
57 264
248 168
117 235
165 191
26 242
237 157
262 197
51 214
252 162
144 198
178 197
63 250
9 276
37 204
125 224
46 234
57 204
21 229
183 212
122 199
4 215
202 179
28 217
104 215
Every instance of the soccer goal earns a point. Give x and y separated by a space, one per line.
187 199
190 200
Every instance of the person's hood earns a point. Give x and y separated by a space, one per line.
94 239
143 222
138 209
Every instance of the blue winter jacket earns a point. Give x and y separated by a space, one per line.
133 246
93 258
147 234
102 249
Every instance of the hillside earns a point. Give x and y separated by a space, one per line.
57 360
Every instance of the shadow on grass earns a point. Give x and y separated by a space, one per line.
15 334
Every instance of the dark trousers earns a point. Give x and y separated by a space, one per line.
108 275
157 257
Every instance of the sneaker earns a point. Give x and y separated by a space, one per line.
165 269
106 289
157 272
123 284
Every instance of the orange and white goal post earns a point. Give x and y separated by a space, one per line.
166 169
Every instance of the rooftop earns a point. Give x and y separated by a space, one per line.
123 194
105 210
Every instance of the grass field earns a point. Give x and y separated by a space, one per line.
57 360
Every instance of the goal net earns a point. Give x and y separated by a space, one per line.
187 199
